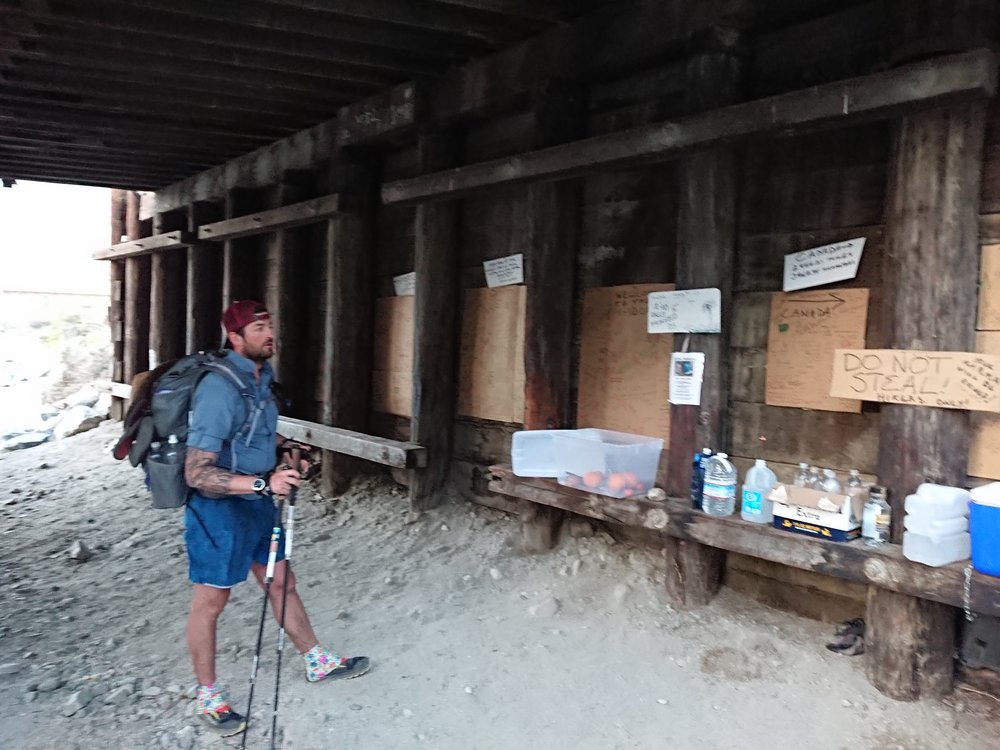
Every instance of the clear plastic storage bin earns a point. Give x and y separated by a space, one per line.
533 453
618 464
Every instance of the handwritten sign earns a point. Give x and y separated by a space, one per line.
823 265
687 311
952 380
804 330
405 284
623 369
504 271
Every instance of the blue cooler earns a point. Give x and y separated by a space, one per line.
984 526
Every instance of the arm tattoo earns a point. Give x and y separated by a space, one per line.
201 473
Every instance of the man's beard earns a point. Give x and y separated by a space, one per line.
261 355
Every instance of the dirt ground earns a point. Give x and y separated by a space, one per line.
475 646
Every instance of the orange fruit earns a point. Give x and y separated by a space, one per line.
617 482
630 478
593 479
627 492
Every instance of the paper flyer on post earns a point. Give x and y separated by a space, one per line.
687 370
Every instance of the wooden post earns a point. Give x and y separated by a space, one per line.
116 310
706 242
539 527
283 279
137 280
204 283
930 276
909 645
167 294
435 325
240 257
349 323
550 224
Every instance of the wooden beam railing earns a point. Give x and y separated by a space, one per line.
878 96
294 215
146 246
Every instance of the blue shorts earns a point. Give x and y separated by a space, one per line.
225 536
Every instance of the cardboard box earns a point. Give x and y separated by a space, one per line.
836 517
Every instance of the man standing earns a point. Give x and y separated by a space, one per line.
230 465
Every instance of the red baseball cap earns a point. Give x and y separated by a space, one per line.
240 314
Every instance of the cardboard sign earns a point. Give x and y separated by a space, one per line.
623 369
392 376
686 311
405 284
984 453
491 359
805 330
823 265
952 380
504 271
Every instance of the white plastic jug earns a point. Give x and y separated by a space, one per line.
757 484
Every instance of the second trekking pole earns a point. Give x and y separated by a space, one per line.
272 555
289 535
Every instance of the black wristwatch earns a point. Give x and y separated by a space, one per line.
261 487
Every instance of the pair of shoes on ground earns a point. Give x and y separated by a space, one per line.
849 638
214 710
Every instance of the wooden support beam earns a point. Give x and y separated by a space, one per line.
349 322
539 527
550 224
284 276
380 116
137 287
116 306
915 87
435 325
706 250
168 289
397 453
174 240
241 264
204 283
909 645
285 217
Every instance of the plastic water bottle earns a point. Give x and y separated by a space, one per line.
802 478
154 451
815 480
698 476
754 505
877 518
719 493
830 483
171 455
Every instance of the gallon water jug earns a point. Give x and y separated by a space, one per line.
719 493
936 525
757 484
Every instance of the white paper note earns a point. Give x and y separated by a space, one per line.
405 284
823 265
504 271
686 311
687 371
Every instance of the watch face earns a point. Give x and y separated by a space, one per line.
259 485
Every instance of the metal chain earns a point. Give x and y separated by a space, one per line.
967 599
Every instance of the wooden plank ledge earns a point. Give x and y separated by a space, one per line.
294 215
146 246
882 95
884 567
395 453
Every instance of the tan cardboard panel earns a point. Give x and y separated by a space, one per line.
989 288
491 360
804 330
392 376
623 369
984 452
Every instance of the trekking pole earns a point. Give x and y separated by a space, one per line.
272 554
289 535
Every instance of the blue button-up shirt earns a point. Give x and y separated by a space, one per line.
220 410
